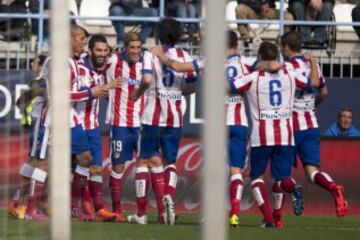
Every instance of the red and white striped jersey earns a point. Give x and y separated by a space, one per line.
76 95
236 66
88 111
163 98
304 102
270 97
122 111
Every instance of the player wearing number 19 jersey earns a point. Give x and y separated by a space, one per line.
124 114
306 131
270 96
162 117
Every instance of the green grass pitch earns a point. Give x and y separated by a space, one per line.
187 228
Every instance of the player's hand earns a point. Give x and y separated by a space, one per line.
316 4
117 83
100 91
309 57
157 50
275 66
134 96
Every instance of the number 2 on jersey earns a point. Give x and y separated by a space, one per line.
274 93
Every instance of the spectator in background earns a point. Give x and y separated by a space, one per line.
131 8
257 9
13 29
343 126
356 17
185 9
315 10
34 8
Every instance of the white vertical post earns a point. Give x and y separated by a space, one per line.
214 134
60 157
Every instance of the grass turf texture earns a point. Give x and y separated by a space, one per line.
187 227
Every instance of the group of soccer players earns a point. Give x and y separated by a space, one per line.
144 90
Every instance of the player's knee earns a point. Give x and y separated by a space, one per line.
43 165
33 161
142 163
118 168
95 170
155 161
84 159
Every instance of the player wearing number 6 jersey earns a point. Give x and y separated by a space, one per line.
271 96
306 130
162 118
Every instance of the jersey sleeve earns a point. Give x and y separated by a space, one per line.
249 63
148 58
198 65
109 69
295 72
242 83
79 84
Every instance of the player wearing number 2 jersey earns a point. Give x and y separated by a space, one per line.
271 96
306 131
162 118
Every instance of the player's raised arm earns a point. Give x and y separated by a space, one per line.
147 76
195 65
314 70
238 85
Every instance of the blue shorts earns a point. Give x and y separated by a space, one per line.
123 143
308 146
94 139
281 161
237 145
159 141
79 141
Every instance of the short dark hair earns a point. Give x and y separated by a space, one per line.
131 36
268 51
97 38
169 31
292 40
74 28
232 39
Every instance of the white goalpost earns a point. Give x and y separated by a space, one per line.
214 134
60 141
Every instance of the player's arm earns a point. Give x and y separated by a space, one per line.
321 95
268 66
147 76
240 84
195 65
314 70
189 89
144 85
